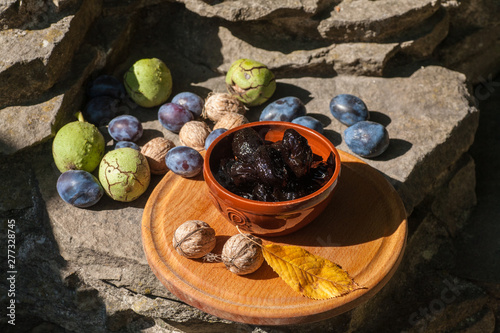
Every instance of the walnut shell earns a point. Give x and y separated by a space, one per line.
231 120
155 151
242 254
219 104
193 134
194 239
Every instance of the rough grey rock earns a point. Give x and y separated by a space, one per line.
30 14
474 54
421 292
432 32
27 125
344 58
472 45
18 196
255 10
34 60
457 197
369 21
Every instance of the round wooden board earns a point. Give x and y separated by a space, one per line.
363 230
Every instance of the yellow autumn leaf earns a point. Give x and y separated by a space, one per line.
310 275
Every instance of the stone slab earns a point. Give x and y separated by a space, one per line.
254 10
24 126
29 124
364 20
343 58
432 32
33 60
84 268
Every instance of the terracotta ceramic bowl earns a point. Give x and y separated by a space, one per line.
269 218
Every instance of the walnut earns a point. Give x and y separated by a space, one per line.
194 239
231 120
219 104
155 151
193 134
242 254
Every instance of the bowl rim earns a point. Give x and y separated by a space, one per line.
208 175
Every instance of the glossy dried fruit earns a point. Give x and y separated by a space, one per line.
243 174
270 167
245 143
296 152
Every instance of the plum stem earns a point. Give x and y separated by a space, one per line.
79 116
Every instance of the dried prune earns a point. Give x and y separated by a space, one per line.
243 173
245 143
270 167
296 152
263 192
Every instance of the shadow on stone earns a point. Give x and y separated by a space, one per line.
283 41
286 89
43 271
397 147
120 319
106 203
334 137
380 118
149 134
324 120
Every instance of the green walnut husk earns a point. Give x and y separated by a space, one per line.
78 146
250 81
148 82
124 174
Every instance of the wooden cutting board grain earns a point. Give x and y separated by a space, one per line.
363 230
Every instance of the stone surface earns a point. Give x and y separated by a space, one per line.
254 10
472 43
33 60
477 245
83 270
456 199
345 58
364 20
475 54
27 125
423 43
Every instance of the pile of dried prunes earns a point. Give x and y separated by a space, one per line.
273 171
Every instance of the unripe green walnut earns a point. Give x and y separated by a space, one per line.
250 81
124 174
78 146
148 82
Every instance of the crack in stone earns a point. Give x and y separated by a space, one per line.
151 296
